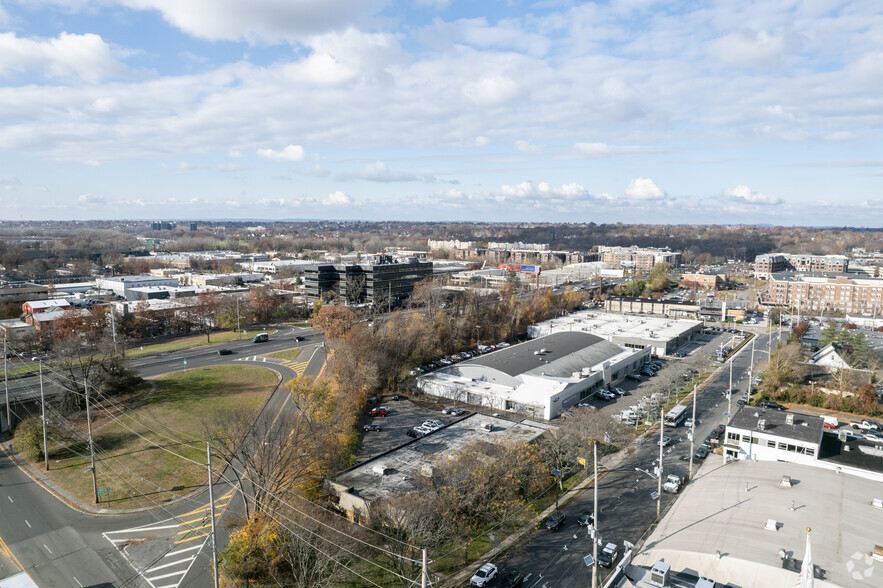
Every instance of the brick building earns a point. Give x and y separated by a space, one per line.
821 292
640 259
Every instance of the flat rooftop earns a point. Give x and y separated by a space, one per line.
606 324
715 513
805 428
407 462
549 355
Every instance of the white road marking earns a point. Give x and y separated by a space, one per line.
28 524
182 550
174 563
77 581
47 549
10 498
151 580
149 526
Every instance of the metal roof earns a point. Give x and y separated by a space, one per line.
806 428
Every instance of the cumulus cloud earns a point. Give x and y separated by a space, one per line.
492 90
259 20
749 48
482 141
68 55
290 153
746 194
337 199
593 149
644 189
527 147
380 172
91 199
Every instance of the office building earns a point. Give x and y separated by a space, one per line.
379 279
825 292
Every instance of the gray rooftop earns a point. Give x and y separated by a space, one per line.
565 353
806 428
716 514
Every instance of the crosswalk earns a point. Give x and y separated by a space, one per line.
163 552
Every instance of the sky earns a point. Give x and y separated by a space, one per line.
635 111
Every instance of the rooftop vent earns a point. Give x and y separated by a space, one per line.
789 419
761 425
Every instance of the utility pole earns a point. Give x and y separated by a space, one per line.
43 408
211 502
91 442
693 432
595 520
113 328
424 574
730 391
659 476
238 330
6 385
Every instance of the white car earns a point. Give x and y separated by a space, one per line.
664 441
605 395
423 429
484 575
873 437
432 425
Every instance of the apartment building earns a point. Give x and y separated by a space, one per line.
771 263
710 281
638 258
821 292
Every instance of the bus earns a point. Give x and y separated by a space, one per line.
261 338
676 416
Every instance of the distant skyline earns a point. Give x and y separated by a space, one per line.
639 111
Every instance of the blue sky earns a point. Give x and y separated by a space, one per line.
622 110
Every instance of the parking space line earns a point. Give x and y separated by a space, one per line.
182 550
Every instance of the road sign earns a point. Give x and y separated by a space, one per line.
556 473
99 492
654 495
581 460
726 413
107 491
589 561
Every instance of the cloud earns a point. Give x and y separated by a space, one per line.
290 153
380 172
526 147
746 194
482 141
749 48
337 199
644 189
91 199
66 56
259 20
593 149
492 90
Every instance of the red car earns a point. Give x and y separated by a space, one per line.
379 411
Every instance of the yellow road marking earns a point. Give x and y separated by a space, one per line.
8 552
194 529
191 538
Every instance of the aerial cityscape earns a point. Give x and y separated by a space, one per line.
550 294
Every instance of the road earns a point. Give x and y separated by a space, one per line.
626 509
168 546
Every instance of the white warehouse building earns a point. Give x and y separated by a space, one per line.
662 335
121 285
540 378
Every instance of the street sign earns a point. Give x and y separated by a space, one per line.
581 460
556 473
107 491
654 495
99 492
589 561
726 413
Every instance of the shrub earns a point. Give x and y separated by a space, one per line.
29 438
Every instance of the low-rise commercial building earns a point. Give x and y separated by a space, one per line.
120 285
708 281
22 292
540 378
655 306
658 335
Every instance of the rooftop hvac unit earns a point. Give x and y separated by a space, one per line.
659 573
761 425
789 419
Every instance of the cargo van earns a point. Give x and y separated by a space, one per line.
261 338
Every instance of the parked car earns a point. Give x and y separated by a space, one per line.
873 437
608 555
634 377
424 429
772 405
701 452
379 411
372 427
453 411
587 405
619 391
484 575
605 395
511 579
225 352
556 521
664 441
414 433
585 519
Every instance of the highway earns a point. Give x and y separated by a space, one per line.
168 546
626 509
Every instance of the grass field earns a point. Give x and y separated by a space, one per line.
287 354
185 343
128 460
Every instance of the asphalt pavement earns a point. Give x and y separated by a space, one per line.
626 509
58 546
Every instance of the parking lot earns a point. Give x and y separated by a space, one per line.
402 415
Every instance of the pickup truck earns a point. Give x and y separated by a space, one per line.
865 425
673 484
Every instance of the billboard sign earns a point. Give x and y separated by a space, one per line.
612 273
535 269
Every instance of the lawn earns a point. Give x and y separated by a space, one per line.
184 343
288 354
128 460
